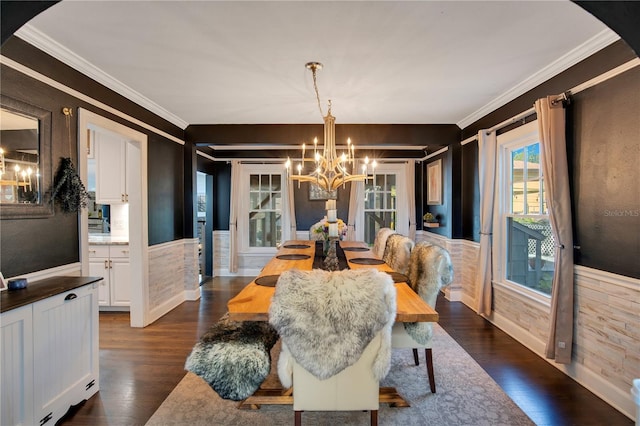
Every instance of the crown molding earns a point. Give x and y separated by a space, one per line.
83 97
45 43
586 49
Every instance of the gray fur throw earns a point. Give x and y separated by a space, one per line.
233 357
327 319
380 241
430 270
397 252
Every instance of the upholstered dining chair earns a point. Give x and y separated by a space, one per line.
430 270
380 241
397 252
334 353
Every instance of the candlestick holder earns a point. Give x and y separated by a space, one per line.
330 262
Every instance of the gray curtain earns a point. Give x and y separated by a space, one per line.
487 176
551 127
410 176
236 168
356 208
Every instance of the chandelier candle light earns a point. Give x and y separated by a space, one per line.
330 170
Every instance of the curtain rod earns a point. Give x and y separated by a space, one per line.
577 89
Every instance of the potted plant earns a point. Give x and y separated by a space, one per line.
430 220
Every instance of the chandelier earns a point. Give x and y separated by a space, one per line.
329 170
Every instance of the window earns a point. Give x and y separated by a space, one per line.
523 231
380 205
265 210
384 205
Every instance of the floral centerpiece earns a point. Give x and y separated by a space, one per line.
321 230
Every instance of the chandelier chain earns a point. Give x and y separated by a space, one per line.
315 86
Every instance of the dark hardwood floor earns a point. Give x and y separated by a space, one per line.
140 367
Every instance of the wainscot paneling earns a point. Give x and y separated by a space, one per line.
249 264
607 327
453 291
172 279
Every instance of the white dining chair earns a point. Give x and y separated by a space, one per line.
397 252
380 242
336 342
430 270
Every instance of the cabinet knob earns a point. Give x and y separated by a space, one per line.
71 296
106 264
92 251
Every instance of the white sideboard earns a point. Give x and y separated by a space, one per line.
49 349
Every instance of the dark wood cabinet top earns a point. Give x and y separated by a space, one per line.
41 289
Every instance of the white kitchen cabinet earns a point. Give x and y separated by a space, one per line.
111 178
49 349
111 261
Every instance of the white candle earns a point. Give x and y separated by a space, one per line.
331 204
331 216
333 229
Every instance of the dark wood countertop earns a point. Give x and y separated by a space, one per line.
41 289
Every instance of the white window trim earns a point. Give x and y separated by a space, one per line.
402 213
243 213
522 135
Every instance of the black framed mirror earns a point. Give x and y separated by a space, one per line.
25 160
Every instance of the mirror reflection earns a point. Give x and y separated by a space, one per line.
20 181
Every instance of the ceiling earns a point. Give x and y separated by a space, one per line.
416 62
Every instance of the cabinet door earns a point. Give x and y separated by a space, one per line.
65 345
110 168
120 282
99 267
16 371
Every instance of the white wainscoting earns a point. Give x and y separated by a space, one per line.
453 291
171 279
607 322
249 264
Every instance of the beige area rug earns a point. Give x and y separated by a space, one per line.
466 395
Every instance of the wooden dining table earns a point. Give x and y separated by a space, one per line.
253 301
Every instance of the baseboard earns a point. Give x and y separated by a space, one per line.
243 272
596 384
452 295
469 301
165 308
192 294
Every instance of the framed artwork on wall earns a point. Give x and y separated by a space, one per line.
317 193
434 183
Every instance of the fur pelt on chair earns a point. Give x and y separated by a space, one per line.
326 320
380 241
397 252
233 357
430 270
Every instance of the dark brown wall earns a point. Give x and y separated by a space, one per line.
603 138
606 174
28 245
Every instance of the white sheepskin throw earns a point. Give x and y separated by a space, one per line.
380 241
327 319
397 253
430 270
233 357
